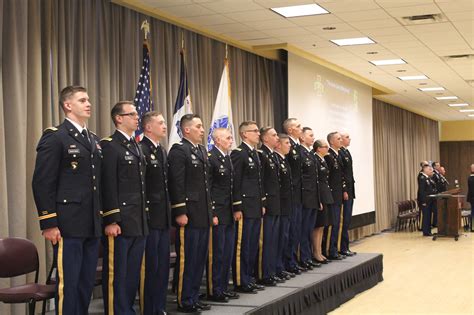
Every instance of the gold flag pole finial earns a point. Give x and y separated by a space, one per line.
146 28
226 51
182 40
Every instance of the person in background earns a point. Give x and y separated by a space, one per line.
426 187
470 192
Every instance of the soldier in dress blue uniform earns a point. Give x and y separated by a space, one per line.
66 189
310 198
125 217
191 206
282 149
324 219
155 268
221 245
338 188
426 187
269 234
248 206
293 128
349 195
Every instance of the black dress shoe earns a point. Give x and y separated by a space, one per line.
189 309
231 295
290 274
268 282
355 253
245 289
302 269
429 234
257 287
218 298
278 279
314 263
335 257
283 276
306 265
321 261
202 306
294 271
347 253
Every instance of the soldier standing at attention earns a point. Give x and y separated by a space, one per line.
191 206
125 217
155 269
66 188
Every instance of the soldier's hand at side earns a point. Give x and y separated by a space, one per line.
320 207
237 215
346 196
113 230
52 234
263 210
182 220
215 220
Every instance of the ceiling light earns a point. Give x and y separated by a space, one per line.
429 89
352 41
458 105
329 28
371 52
300 10
466 110
388 62
413 77
446 98
401 70
471 115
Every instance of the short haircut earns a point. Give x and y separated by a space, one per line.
331 136
287 123
186 119
147 117
245 124
318 144
118 109
426 166
264 131
69 91
217 131
307 129
283 136
434 164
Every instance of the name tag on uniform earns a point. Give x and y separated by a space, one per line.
194 162
73 151
129 158
153 162
323 168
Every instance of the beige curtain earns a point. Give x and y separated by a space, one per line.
402 140
48 44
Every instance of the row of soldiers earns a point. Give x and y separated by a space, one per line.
431 181
267 215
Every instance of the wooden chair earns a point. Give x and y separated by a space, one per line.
407 216
18 256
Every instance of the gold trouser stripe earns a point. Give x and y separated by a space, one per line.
142 285
328 241
240 227
339 235
260 251
60 277
209 264
111 256
181 264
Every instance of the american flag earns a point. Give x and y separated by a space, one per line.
143 100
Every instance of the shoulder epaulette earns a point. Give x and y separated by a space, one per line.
260 151
106 139
238 149
50 129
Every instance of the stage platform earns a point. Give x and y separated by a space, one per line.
314 292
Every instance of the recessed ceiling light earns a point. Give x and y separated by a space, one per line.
423 83
388 62
352 41
471 115
446 98
413 77
401 70
371 52
435 88
458 105
300 10
466 110
329 28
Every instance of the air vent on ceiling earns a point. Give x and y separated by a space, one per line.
423 19
458 57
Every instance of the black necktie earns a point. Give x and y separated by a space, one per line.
135 145
85 134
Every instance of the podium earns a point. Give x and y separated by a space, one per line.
449 213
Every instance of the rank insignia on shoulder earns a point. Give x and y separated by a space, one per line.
238 149
50 129
106 139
